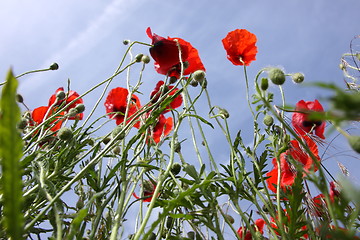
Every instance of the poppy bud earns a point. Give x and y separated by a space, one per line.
191 235
22 124
230 218
116 150
126 41
145 59
268 120
148 186
277 76
72 112
177 147
194 83
80 203
204 83
224 113
116 131
19 98
199 75
106 140
80 108
152 236
169 222
342 66
65 134
264 84
60 95
172 79
54 66
297 77
138 57
176 168
354 142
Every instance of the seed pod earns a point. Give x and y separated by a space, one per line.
277 76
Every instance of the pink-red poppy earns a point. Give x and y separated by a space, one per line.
162 128
69 97
302 122
245 233
240 47
117 103
148 191
165 52
161 90
287 172
38 116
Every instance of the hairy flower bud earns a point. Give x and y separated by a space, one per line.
230 218
22 124
72 112
297 77
126 41
277 76
106 140
116 133
224 113
264 84
194 83
145 59
116 150
172 80
80 108
138 57
342 66
354 142
65 134
60 95
199 75
19 98
176 168
268 120
54 66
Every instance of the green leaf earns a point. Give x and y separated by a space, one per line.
10 155
76 222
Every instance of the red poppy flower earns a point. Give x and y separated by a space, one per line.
259 227
117 102
287 172
240 47
301 122
70 96
165 52
162 128
160 90
38 115
148 191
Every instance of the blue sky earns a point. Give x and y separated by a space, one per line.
85 38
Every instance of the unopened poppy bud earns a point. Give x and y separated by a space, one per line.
116 133
354 142
60 95
194 83
65 134
152 236
268 120
138 57
169 222
176 168
126 41
297 77
172 79
54 66
224 113
106 140
199 75
177 147
22 124
72 112
80 203
342 66
191 235
264 84
19 98
230 218
148 186
277 76
80 108
145 59
116 150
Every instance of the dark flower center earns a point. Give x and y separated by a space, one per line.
311 123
